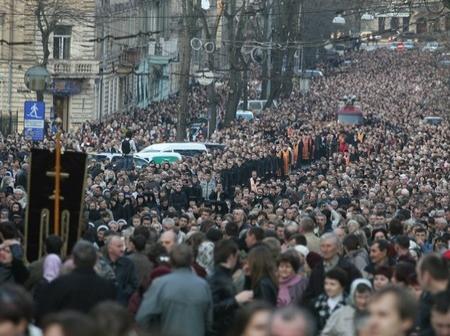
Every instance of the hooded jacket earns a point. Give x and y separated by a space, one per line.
341 322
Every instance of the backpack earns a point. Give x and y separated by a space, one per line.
126 147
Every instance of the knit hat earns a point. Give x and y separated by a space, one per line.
102 227
122 222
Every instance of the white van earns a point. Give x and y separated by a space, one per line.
182 148
255 106
159 157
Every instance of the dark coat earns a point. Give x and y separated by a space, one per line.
142 265
266 290
126 278
423 323
178 200
15 273
224 303
317 278
79 290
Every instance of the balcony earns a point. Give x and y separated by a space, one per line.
73 68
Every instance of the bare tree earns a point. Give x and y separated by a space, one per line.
285 33
189 27
236 24
51 13
211 35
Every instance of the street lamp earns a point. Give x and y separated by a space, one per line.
37 78
339 20
367 17
205 4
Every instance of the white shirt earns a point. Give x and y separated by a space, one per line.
332 302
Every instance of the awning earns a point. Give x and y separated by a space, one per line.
160 60
65 87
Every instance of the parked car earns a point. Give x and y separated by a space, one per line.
119 162
102 156
409 45
444 60
339 49
432 120
159 157
182 148
431 46
311 73
117 159
214 146
244 115
256 105
399 46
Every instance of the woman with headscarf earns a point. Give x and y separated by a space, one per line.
51 270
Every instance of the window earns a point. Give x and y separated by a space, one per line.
61 42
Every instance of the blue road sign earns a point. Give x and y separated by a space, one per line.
34 116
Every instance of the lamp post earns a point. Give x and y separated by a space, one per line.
339 20
367 17
37 78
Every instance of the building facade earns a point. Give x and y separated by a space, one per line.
106 57
72 61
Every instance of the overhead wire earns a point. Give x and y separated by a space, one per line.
375 6
247 43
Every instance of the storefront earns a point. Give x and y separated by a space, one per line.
62 91
153 80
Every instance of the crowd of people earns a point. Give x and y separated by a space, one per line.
299 226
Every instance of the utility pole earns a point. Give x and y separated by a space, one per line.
302 21
269 53
102 78
10 63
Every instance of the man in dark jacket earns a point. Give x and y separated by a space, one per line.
433 277
225 299
140 260
79 290
329 248
178 198
126 277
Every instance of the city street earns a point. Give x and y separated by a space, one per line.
215 172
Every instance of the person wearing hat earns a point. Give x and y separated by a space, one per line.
100 239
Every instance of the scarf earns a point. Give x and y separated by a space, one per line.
52 267
284 297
